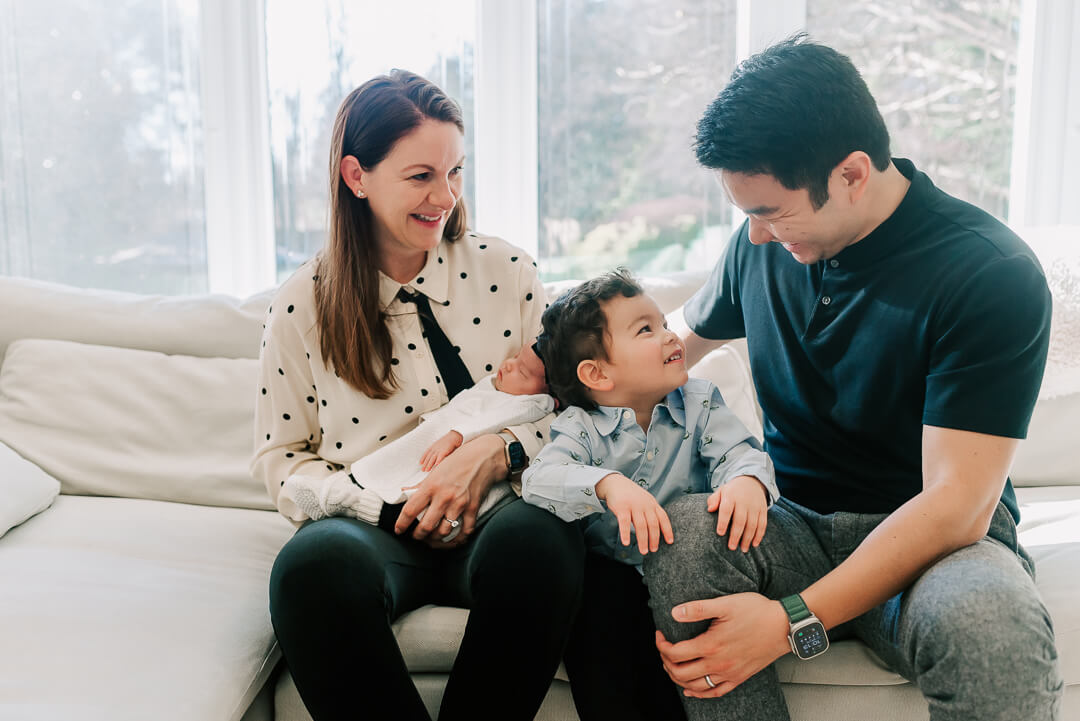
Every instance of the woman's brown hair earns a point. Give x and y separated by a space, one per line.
352 328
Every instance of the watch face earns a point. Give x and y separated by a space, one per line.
517 456
809 640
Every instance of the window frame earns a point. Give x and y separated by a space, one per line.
1045 165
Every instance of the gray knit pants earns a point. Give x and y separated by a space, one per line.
972 632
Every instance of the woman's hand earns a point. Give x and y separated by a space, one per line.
453 491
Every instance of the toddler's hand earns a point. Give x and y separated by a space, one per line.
439 450
742 501
634 506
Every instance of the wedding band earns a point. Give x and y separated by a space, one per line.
709 681
454 523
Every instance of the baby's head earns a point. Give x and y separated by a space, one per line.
522 374
605 342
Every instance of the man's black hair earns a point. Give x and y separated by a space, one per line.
574 328
793 111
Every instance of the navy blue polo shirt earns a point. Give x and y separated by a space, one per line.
941 316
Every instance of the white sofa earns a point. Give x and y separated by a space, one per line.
141 592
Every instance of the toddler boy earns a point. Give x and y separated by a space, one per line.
637 433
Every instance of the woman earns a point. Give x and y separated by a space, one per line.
356 347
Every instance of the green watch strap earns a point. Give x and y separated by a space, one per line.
795 607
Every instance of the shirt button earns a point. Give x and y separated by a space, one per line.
627 415
834 263
649 455
826 300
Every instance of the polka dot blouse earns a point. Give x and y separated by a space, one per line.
486 296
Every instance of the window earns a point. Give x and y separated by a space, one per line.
316 54
101 151
621 86
181 146
944 76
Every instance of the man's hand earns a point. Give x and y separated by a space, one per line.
634 506
747 633
744 503
440 449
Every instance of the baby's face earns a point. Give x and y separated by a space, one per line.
522 374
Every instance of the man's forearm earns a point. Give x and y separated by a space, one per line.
925 529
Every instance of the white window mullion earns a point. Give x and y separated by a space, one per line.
1045 173
239 187
761 24
505 166
757 26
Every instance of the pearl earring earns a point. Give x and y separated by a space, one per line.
360 193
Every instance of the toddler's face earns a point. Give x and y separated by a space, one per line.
522 374
645 359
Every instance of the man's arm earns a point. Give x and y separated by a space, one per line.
696 346
963 477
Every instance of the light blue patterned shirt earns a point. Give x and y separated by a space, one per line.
694 444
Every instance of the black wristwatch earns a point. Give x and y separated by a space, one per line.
516 459
806 633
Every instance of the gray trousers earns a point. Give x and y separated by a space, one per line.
971 632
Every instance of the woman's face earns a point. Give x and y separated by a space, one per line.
414 189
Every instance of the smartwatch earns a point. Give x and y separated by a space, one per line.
806 633
516 459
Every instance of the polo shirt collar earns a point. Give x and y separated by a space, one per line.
432 280
886 239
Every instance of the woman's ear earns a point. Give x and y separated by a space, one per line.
592 376
353 175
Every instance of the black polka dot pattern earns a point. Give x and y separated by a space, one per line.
490 285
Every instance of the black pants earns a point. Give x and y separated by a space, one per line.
614 667
338 583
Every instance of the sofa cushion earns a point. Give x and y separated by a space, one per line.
25 489
119 609
133 423
206 325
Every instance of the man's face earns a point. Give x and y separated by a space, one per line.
779 215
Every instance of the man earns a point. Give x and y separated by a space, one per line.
897 339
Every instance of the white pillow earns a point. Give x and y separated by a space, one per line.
132 423
200 325
25 489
